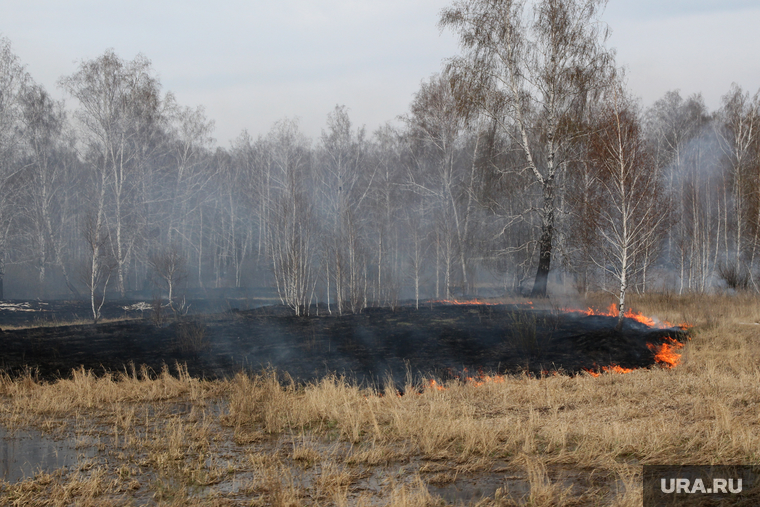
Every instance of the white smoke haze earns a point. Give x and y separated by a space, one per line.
390 197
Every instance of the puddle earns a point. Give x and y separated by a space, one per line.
26 452
469 490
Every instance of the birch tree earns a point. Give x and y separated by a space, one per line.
683 146
99 264
292 229
439 128
738 130
344 189
627 210
119 114
13 79
529 72
385 212
170 269
43 122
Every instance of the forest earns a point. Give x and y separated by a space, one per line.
524 166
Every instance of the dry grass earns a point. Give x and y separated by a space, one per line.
258 440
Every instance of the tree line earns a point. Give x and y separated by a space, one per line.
524 161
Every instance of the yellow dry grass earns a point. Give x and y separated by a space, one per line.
258 440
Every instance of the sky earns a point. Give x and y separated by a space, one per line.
251 63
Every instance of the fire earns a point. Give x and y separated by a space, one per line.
613 368
484 379
666 354
612 311
617 369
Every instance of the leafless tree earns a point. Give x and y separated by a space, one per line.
417 251
438 128
628 209
236 175
386 211
13 79
292 234
529 73
99 264
344 188
179 192
684 145
738 130
50 164
507 235
170 269
119 111
189 144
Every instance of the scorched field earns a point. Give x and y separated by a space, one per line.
506 403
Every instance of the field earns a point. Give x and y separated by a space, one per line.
518 439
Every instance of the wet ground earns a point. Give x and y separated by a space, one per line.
26 452
436 340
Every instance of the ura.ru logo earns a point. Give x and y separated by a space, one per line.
698 486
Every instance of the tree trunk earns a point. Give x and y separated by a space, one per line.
545 241
621 297
544 264
2 273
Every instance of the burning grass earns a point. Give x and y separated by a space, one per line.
171 439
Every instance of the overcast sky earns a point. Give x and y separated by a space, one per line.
250 63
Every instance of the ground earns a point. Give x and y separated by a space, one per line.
527 437
438 340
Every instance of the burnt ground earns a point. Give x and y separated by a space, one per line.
15 313
435 341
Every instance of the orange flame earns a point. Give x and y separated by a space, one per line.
613 368
613 311
434 386
617 369
484 379
666 354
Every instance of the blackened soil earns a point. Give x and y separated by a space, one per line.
436 340
15 313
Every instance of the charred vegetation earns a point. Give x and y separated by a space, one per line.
436 340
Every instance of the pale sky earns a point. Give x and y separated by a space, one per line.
251 63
